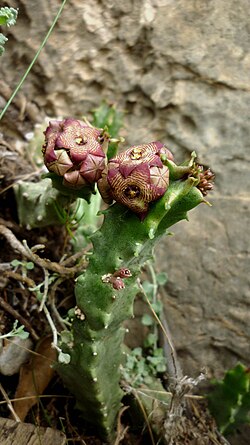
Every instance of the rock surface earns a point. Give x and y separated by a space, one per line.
181 71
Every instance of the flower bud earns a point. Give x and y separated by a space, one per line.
136 177
206 179
74 150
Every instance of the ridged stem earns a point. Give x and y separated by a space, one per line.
122 241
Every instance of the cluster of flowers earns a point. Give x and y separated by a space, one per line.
74 150
134 178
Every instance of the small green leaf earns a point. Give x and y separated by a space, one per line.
158 352
157 307
3 40
149 289
29 265
130 362
8 16
18 331
64 358
71 313
161 367
15 263
141 368
147 320
153 360
66 337
137 352
161 278
22 334
150 340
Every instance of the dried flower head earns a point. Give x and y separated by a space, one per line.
206 180
136 177
74 150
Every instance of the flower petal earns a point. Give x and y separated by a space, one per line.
74 179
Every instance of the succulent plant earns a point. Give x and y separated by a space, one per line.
136 177
146 180
105 293
75 151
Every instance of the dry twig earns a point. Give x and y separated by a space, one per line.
26 252
9 404
121 431
18 277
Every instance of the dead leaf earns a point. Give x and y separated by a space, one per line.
34 377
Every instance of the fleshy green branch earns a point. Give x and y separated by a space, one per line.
152 193
122 242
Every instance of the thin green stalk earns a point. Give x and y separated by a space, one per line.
34 60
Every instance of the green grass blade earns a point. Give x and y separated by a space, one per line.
34 60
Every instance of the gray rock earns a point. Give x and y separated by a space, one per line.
14 354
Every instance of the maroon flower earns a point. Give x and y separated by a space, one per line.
74 150
136 177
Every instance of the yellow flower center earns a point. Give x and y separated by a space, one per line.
81 140
132 192
136 153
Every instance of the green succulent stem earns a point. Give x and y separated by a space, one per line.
123 241
39 204
179 171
